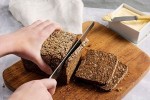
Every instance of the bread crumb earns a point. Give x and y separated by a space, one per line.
88 45
128 75
87 89
119 89
68 88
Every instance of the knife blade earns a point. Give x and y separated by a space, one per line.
129 18
57 71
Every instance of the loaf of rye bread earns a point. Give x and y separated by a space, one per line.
97 66
53 51
101 69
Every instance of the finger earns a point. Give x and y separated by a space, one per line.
55 25
50 84
43 24
51 28
27 84
35 23
45 68
50 98
42 65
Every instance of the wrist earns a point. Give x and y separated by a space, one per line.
8 44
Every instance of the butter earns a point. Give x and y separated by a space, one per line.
135 24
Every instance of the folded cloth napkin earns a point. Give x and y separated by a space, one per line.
68 13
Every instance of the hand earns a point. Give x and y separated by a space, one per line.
35 90
29 40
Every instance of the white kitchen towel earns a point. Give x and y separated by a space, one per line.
68 13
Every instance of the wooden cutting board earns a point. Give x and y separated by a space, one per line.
101 38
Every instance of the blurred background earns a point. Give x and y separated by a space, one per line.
143 5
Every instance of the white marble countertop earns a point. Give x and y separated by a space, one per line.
8 24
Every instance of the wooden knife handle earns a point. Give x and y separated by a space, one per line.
143 17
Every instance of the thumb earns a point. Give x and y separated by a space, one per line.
42 65
50 84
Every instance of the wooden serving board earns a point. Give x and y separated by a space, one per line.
101 38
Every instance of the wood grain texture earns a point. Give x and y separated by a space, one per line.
101 38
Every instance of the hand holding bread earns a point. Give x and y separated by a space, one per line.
27 42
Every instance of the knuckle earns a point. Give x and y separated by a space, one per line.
47 22
37 83
41 33
53 24
36 22
57 26
37 30
55 82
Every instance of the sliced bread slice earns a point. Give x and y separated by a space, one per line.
119 74
97 67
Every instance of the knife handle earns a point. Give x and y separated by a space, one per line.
143 17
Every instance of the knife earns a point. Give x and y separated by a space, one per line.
57 71
128 18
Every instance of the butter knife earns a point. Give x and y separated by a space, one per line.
128 18
57 71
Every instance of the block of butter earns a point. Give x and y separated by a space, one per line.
134 30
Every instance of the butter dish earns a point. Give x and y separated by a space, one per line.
134 30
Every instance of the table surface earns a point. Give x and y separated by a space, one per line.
8 24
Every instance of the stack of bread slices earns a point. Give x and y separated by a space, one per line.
101 69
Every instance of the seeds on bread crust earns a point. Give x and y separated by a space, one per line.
97 66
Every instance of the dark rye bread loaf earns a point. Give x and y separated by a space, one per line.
120 72
53 51
97 67
56 47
